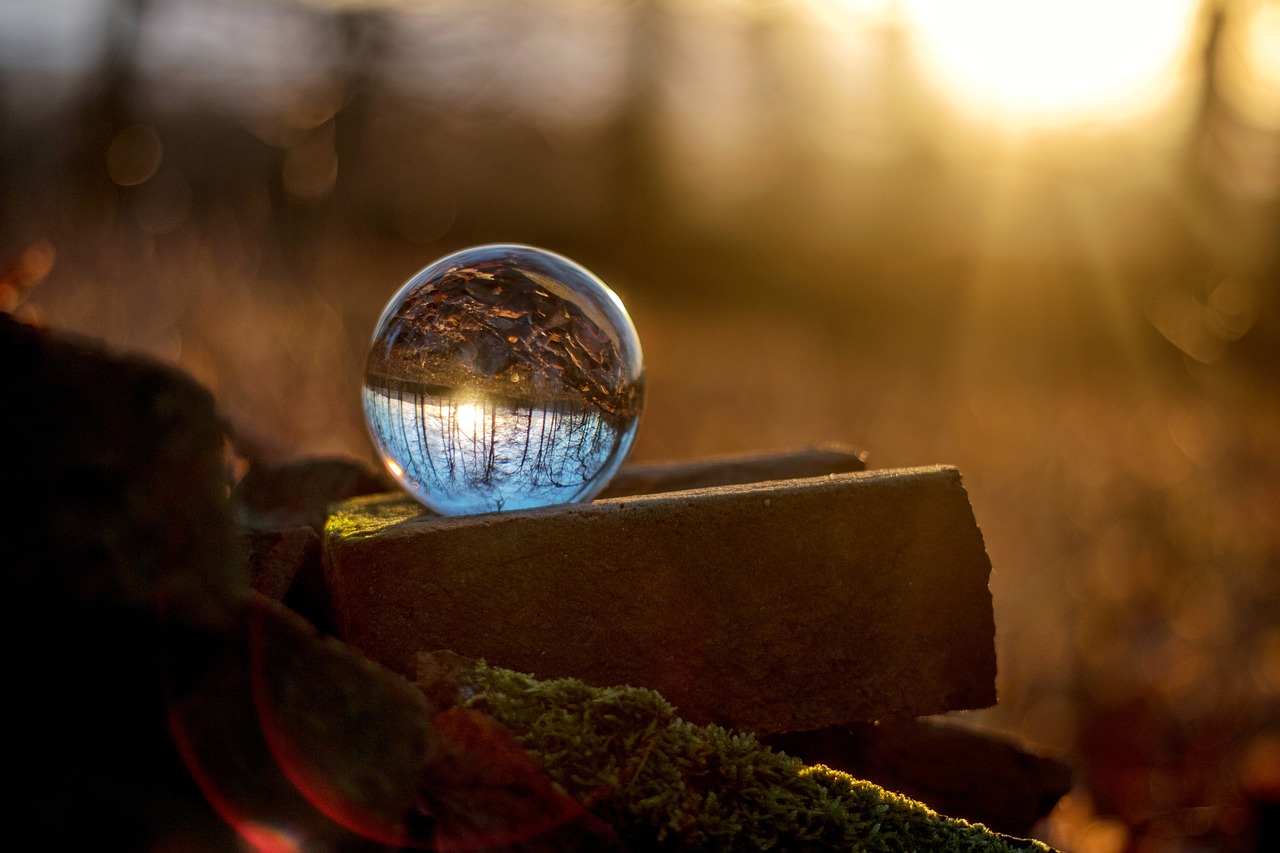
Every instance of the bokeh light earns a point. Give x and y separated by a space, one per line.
1055 60
1036 240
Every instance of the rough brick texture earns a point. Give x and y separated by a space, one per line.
773 607
819 460
961 771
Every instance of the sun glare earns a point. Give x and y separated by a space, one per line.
1251 67
469 418
1054 60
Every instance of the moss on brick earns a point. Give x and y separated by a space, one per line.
666 784
360 517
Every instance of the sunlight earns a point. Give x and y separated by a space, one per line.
1054 61
1251 65
469 418
1264 45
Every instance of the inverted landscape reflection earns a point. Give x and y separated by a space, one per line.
467 456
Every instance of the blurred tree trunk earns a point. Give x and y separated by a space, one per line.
1226 156
109 100
364 38
637 191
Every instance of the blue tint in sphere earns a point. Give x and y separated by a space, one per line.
503 377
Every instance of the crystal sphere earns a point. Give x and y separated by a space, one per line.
503 377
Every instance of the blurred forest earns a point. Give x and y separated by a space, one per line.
826 229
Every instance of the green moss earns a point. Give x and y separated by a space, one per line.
364 516
665 784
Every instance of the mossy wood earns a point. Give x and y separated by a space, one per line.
771 607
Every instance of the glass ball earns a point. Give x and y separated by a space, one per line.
503 377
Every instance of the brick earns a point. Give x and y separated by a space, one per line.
298 493
773 607
958 770
815 461
285 566
277 559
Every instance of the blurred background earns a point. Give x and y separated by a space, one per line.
1037 240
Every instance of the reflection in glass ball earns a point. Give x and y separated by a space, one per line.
503 377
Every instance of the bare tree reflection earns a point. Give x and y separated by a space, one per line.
471 454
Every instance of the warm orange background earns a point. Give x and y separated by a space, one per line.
1035 240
